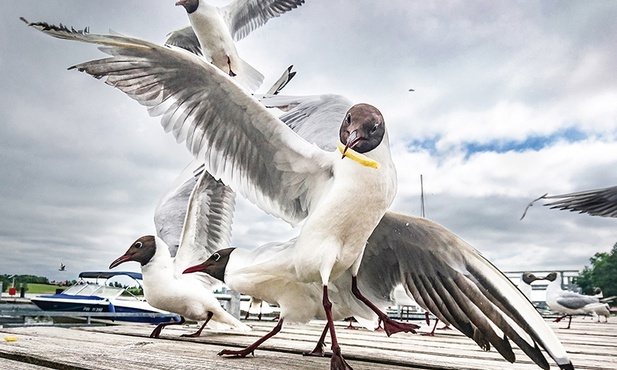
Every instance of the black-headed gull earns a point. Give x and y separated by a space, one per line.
597 202
436 268
570 303
339 197
524 284
207 227
217 28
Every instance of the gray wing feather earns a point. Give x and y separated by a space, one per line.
575 301
452 280
244 16
599 202
207 225
186 39
316 118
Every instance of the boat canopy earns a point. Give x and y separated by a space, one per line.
109 274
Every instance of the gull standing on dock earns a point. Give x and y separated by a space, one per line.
570 303
207 227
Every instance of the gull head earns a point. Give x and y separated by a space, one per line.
142 251
363 128
214 266
189 5
551 277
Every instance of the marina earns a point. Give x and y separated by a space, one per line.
591 345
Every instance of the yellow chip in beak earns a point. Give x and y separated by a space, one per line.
358 157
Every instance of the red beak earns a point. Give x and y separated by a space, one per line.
197 268
121 259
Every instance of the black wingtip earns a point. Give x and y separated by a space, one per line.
567 366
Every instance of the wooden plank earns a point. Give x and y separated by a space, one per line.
590 345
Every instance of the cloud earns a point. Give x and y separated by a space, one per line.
511 100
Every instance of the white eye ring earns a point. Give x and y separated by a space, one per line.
216 256
138 245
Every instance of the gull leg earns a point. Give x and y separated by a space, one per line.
569 322
389 325
318 351
251 349
427 319
198 332
157 331
337 362
432 333
350 326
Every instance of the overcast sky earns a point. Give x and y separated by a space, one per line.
513 99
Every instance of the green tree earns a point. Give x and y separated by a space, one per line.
602 273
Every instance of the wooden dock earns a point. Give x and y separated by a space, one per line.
591 345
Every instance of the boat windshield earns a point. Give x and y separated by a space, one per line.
103 291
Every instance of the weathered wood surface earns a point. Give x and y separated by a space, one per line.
591 345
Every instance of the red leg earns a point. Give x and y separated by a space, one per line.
427 319
569 322
337 362
389 325
318 351
198 332
432 333
157 331
560 318
251 349
350 326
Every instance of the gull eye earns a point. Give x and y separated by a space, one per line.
374 129
216 256
348 118
138 245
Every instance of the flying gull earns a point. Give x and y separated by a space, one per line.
207 227
215 29
597 202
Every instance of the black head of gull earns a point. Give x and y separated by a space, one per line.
529 277
190 5
142 251
363 128
215 265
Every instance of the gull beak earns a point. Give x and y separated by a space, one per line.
352 140
120 260
180 2
197 268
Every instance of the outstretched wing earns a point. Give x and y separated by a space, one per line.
238 139
598 202
448 277
244 16
170 212
207 225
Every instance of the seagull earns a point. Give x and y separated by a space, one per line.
207 227
435 267
597 202
217 28
62 267
524 285
569 303
338 196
